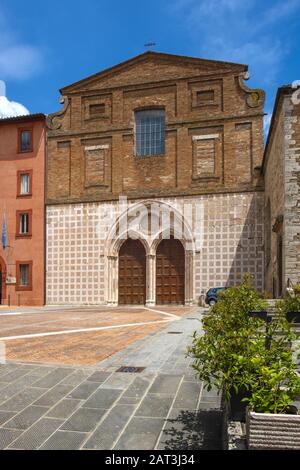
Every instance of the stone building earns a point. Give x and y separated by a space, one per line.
281 170
181 140
22 210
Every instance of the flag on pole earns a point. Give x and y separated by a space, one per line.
4 232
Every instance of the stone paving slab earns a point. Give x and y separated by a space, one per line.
155 406
84 390
37 434
84 420
7 436
140 434
64 440
110 429
188 396
21 400
53 378
26 418
118 381
162 407
165 384
5 416
102 398
64 408
54 395
99 377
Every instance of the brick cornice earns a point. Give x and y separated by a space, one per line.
155 195
211 76
171 126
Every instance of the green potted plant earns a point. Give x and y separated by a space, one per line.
222 354
232 356
290 305
272 422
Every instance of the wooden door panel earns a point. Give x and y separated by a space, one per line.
132 273
170 272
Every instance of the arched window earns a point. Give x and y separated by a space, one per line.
150 132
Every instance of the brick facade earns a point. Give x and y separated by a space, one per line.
213 153
22 248
227 230
234 116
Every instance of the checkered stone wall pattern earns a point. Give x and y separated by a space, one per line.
227 233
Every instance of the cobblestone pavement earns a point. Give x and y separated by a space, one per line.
161 407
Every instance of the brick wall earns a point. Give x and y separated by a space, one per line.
199 97
292 191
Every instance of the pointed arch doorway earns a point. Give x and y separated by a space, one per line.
132 273
170 272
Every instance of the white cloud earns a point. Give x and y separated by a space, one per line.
11 108
18 60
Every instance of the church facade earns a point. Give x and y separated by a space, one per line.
154 184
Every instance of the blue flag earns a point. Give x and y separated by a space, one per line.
4 233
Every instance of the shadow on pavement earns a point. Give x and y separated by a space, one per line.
193 430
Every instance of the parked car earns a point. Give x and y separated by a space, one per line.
212 295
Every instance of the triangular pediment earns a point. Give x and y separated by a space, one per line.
153 67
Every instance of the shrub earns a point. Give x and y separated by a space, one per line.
290 303
222 352
232 354
275 385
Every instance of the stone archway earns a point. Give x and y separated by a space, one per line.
127 226
2 281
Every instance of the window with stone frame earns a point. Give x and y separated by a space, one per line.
25 138
24 275
24 183
24 224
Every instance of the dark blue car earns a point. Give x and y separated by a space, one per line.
212 295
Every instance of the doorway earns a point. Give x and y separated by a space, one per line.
132 273
170 272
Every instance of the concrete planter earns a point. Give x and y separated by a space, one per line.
272 431
293 317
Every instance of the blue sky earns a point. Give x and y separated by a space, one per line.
47 45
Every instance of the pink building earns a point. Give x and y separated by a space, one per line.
22 210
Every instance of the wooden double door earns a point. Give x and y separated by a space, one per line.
170 273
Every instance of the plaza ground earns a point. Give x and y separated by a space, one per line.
61 387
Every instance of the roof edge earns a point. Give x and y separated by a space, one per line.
283 90
149 54
24 118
